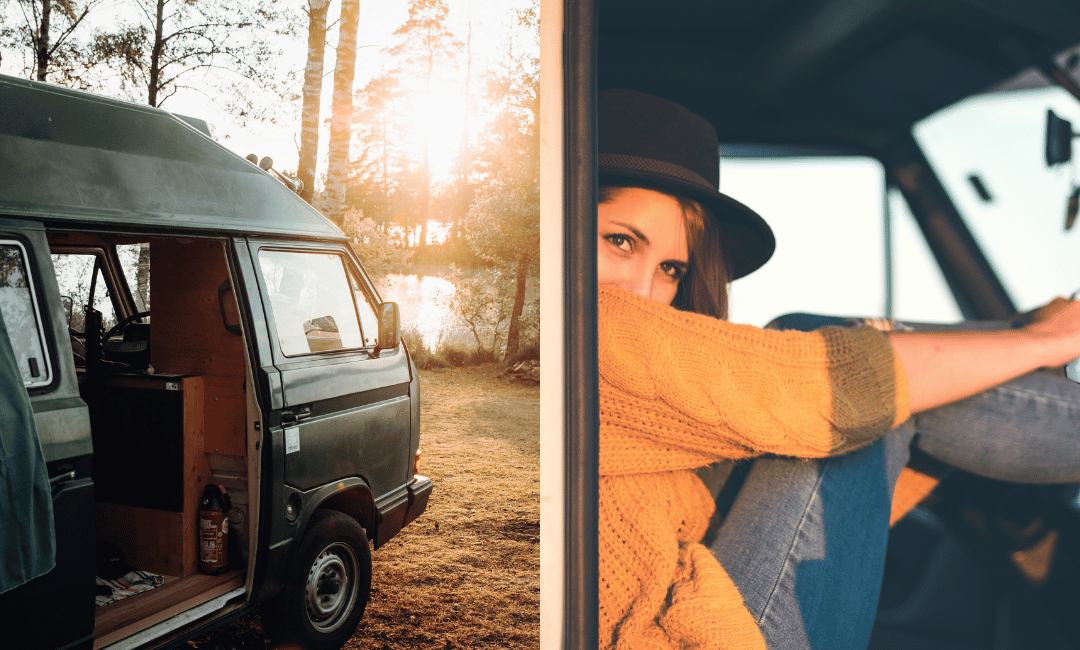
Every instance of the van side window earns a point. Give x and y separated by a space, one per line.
312 302
19 309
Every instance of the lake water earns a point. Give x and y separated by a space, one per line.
426 307
424 302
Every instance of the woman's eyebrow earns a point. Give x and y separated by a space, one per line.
634 231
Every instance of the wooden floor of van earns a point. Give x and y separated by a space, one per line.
134 614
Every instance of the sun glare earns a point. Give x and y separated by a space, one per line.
439 117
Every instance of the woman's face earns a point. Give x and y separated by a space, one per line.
642 243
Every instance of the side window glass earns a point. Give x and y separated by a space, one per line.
22 318
311 300
827 214
76 273
369 321
135 261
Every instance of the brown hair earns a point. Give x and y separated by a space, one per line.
704 288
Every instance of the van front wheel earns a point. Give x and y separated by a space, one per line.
327 587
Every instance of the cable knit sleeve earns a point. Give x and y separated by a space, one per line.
679 390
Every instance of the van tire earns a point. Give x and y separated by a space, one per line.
327 586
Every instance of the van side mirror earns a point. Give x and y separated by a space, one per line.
1059 137
389 327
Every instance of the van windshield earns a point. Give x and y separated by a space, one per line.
989 152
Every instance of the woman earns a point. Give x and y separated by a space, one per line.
801 552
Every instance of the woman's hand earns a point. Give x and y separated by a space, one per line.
1058 322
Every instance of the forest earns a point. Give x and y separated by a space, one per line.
422 147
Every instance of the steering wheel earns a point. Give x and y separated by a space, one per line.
122 324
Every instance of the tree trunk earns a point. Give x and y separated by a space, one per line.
155 54
313 73
43 40
513 334
142 278
342 114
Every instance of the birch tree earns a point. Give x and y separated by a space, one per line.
313 74
342 111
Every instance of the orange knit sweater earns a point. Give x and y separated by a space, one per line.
681 390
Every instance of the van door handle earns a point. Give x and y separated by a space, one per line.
292 416
60 478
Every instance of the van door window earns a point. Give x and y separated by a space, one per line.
369 322
77 273
19 309
311 300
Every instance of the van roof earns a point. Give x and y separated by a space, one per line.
74 157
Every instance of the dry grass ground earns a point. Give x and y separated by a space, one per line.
466 574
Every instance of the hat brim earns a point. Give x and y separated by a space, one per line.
747 240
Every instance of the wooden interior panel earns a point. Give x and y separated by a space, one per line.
152 540
189 337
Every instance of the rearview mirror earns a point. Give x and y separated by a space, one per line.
389 327
1059 135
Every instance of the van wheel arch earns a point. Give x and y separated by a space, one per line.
327 586
355 502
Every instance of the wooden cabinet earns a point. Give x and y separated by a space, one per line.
150 468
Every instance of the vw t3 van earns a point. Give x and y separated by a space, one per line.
181 319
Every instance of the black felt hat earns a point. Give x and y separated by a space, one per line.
646 138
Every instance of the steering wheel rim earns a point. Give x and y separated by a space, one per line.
124 322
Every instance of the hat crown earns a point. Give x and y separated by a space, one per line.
668 147
635 124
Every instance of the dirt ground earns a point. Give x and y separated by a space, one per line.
466 574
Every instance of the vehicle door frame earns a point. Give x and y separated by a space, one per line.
58 406
569 562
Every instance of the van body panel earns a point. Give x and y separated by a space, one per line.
365 441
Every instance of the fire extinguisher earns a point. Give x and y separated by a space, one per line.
214 530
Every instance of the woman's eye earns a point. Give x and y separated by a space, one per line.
673 271
622 242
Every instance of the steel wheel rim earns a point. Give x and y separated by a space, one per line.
331 587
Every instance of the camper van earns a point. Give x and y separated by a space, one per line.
225 411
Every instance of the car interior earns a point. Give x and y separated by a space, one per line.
167 391
980 563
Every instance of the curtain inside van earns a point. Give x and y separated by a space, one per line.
27 543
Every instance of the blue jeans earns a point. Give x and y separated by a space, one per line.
810 569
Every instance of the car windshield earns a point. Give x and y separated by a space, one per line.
989 152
